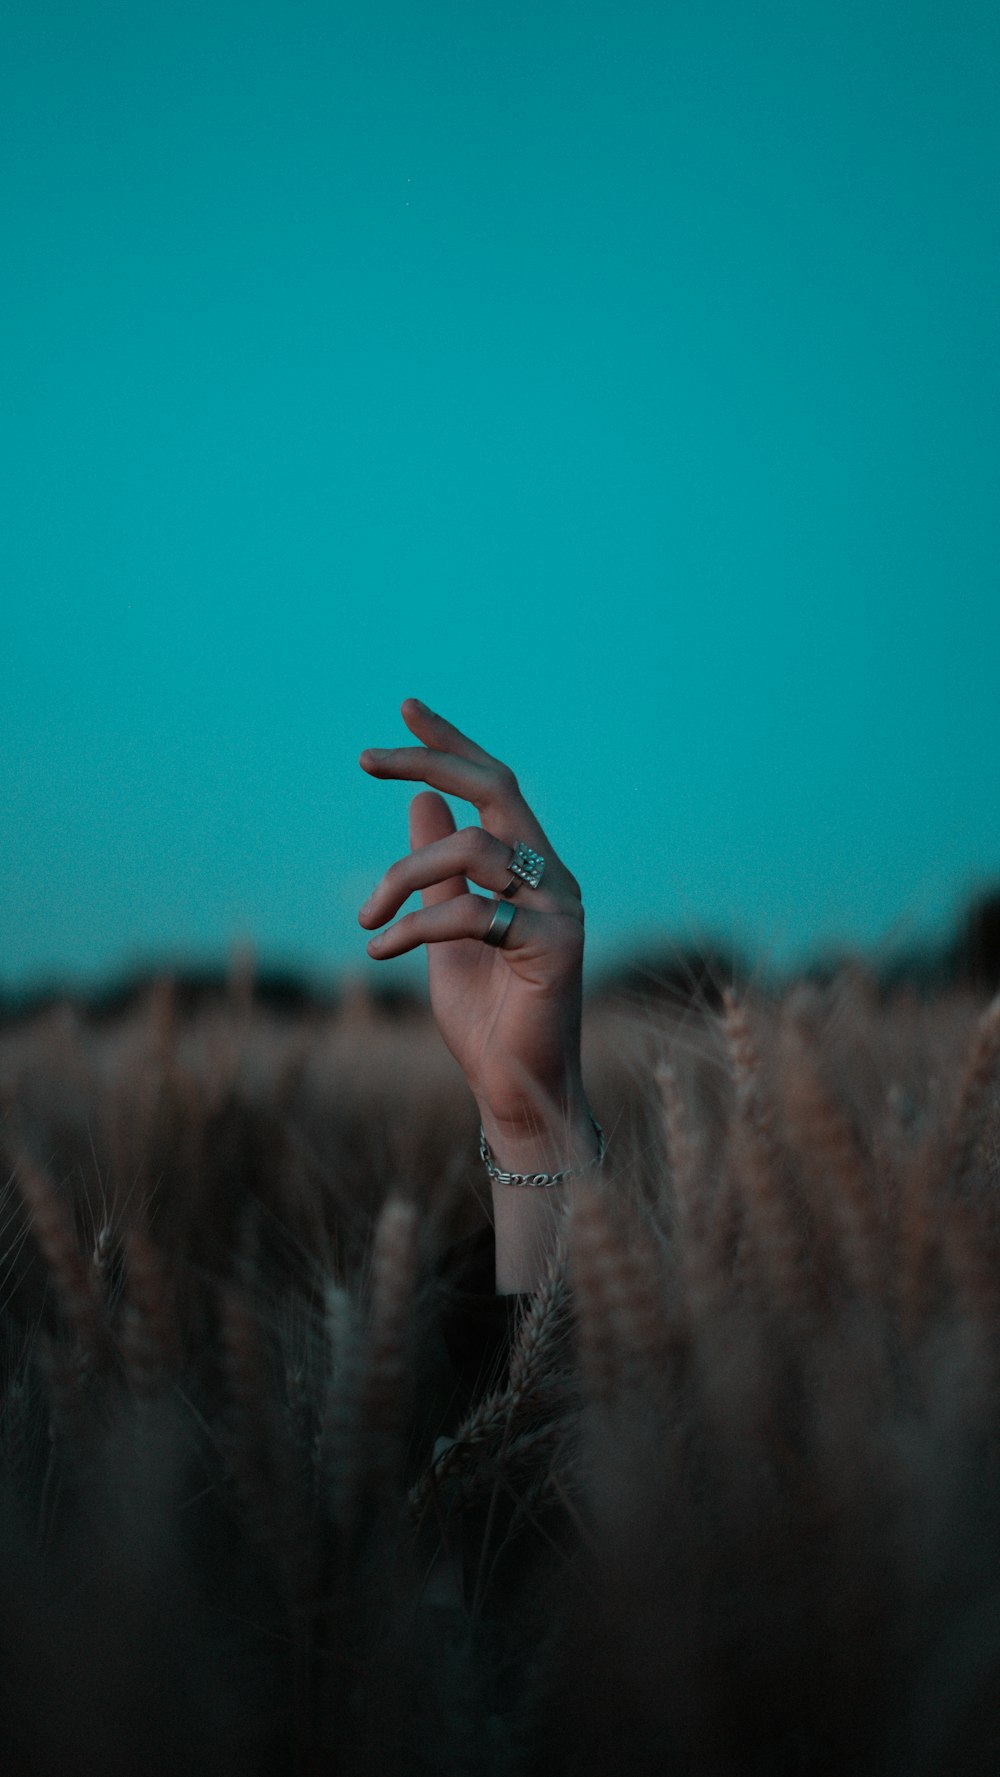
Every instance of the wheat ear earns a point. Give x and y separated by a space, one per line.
267 1480
771 1223
337 1436
100 1261
939 1168
69 1270
538 1325
970 1253
492 1416
489 1416
917 1259
600 1288
828 1150
394 1270
977 1076
682 1156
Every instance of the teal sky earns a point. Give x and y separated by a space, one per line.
621 379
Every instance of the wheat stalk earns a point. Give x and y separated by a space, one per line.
249 1440
16 1425
150 1337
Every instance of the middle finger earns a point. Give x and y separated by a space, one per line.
474 853
490 788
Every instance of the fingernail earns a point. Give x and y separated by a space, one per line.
364 911
373 943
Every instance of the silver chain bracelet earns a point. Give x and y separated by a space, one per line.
539 1180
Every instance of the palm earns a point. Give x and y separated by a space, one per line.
496 1007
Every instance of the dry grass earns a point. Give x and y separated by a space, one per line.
731 1506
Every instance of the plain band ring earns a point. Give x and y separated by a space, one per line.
500 924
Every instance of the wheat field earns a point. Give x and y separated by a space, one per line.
729 1505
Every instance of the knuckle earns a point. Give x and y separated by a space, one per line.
506 780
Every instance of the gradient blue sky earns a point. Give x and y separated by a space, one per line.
619 379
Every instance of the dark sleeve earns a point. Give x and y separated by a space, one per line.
477 1324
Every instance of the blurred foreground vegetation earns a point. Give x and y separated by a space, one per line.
733 1505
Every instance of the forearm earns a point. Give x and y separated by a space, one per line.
527 1218
510 1015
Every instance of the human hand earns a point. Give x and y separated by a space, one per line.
510 1015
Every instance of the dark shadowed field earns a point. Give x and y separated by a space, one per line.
733 1505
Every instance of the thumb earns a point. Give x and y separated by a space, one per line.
431 819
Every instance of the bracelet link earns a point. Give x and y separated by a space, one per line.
540 1180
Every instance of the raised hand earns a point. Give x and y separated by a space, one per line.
510 1015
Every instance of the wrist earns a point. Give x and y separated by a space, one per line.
511 1097
526 1220
543 1179
553 1132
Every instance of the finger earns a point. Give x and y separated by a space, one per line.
471 853
443 738
470 916
493 788
445 771
431 823
459 767
440 734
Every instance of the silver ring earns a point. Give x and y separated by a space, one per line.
500 924
525 866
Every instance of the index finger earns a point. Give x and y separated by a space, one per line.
493 787
436 732
452 762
